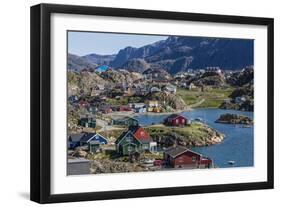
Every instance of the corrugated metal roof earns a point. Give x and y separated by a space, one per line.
178 150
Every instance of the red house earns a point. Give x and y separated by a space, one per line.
176 120
179 157
124 108
105 109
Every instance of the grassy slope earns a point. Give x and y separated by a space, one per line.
213 97
112 133
196 132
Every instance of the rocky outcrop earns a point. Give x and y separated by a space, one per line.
157 74
83 82
234 119
120 76
213 80
241 78
241 98
172 100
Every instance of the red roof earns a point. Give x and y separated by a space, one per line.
142 135
174 116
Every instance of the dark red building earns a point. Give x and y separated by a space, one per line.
124 108
105 109
182 157
176 120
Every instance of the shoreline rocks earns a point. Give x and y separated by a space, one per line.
234 119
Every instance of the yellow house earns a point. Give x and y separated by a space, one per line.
153 104
157 109
150 109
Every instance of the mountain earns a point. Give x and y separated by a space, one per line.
77 63
136 65
177 54
99 59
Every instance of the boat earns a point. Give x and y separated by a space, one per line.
231 162
246 126
148 161
198 119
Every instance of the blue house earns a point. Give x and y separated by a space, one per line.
73 99
102 68
93 141
74 140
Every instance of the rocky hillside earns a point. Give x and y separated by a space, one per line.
84 81
246 76
209 79
242 98
172 100
136 65
120 76
157 74
99 59
77 63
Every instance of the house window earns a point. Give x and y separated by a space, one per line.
177 121
129 148
182 121
129 139
193 158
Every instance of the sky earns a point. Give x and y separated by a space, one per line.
83 43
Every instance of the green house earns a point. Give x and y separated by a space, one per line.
94 146
135 139
127 143
127 121
87 122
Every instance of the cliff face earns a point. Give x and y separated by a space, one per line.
191 52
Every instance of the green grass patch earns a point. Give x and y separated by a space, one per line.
213 97
112 133
115 102
196 132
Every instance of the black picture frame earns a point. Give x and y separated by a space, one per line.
41 98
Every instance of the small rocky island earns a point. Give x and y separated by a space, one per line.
195 135
234 119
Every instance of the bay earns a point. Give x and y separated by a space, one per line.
238 145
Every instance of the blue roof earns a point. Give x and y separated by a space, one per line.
93 137
102 68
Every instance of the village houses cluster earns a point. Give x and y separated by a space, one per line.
135 140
